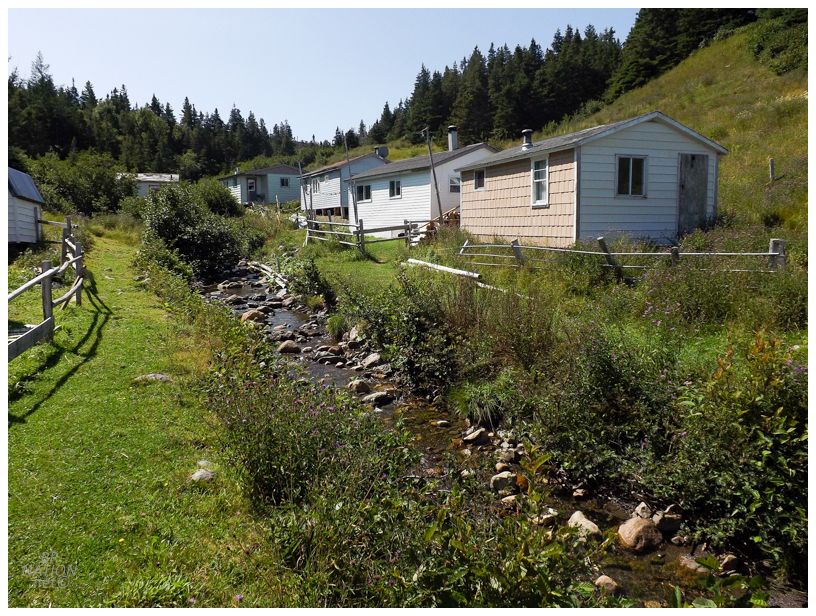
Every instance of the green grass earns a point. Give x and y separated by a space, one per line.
99 468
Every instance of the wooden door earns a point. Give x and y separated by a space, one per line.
692 192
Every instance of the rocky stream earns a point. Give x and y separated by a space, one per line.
651 555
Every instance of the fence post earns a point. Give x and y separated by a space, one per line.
675 255
47 306
360 235
80 271
517 251
407 233
778 258
610 259
771 169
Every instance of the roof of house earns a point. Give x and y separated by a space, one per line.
23 187
151 177
587 135
280 169
342 163
418 163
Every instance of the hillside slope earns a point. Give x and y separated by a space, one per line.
723 92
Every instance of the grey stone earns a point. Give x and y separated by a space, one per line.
378 397
359 386
441 423
203 474
585 526
509 456
687 561
476 437
503 481
546 519
607 584
639 535
288 346
580 494
153 377
372 360
502 466
667 522
729 563
510 501
642 511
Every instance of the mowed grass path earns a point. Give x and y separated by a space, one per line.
99 468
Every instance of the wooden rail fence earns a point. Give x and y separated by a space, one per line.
516 255
350 234
71 255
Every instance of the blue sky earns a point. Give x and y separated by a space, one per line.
317 68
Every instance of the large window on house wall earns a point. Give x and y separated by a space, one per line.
315 185
478 179
539 178
251 184
395 189
454 184
284 182
364 192
631 176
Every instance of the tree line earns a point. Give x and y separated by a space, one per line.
488 96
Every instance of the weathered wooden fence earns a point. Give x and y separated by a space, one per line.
71 255
516 255
350 234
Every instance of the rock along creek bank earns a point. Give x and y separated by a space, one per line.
651 555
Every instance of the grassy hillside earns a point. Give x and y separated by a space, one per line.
723 92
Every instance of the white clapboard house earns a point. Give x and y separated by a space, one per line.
25 205
404 189
648 177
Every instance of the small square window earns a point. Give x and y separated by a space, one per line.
395 189
284 182
364 192
250 184
478 179
454 184
631 176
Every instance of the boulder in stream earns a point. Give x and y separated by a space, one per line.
585 526
288 346
253 315
378 397
503 481
607 584
371 360
639 535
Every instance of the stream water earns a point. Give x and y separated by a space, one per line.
649 578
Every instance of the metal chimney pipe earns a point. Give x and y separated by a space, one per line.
453 138
526 138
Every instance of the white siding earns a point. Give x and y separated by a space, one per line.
445 171
383 211
22 220
284 193
654 216
331 193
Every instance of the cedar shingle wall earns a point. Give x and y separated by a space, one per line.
503 209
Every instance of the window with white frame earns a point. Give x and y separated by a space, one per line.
631 176
364 192
478 179
315 185
539 176
250 184
395 189
454 184
284 182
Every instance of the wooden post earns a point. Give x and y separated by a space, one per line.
47 306
778 258
772 169
517 251
66 234
407 233
79 266
360 236
675 255
610 259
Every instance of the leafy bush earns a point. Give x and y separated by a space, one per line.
205 241
738 459
488 403
781 39
217 198
84 183
133 206
305 278
337 326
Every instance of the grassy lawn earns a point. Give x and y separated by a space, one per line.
99 468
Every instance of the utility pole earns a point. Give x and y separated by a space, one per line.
427 131
350 182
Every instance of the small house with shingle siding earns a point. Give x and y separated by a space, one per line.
281 182
404 189
325 190
24 208
647 177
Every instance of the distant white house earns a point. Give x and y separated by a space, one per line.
265 185
325 190
404 189
648 177
24 208
145 182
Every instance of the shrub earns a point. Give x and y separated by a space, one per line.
780 39
305 278
337 326
205 241
217 198
488 403
84 183
133 206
